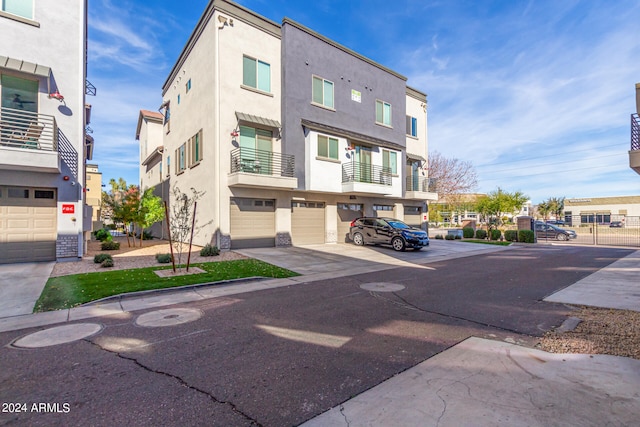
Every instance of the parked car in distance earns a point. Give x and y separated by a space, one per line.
616 224
556 222
550 231
387 231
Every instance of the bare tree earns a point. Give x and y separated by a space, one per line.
453 177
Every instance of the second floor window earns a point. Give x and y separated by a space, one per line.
256 74
412 126
22 8
168 165
327 147
19 94
322 92
390 160
383 113
195 148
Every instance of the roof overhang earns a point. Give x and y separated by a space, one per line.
88 142
25 66
157 152
416 157
354 136
250 118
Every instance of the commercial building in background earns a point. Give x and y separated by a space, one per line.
288 134
43 118
603 211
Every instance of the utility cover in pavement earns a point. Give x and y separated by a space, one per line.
58 335
168 317
382 287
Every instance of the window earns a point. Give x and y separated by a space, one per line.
181 163
412 126
256 74
322 92
327 147
18 193
390 161
382 208
19 94
187 86
22 8
43 194
255 150
195 148
383 113
168 165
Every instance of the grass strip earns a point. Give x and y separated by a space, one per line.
70 291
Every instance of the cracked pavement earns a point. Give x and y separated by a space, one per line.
283 356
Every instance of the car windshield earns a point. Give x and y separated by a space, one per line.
398 224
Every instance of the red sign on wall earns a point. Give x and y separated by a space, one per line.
68 209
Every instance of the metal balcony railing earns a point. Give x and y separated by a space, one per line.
635 132
24 129
262 162
420 183
89 89
366 173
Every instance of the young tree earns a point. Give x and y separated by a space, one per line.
151 211
123 202
498 203
181 219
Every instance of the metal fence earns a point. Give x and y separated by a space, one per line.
599 229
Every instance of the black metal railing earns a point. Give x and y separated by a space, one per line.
89 89
635 132
420 183
367 173
25 129
262 162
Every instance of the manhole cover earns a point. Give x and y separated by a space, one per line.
58 335
382 287
168 317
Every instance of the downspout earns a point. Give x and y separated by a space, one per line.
216 124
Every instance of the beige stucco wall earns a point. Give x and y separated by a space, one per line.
417 108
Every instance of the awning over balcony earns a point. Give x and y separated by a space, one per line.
354 136
416 157
250 118
24 66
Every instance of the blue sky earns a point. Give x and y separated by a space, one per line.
536 94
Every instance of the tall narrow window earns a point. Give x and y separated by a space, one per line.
412 126
327 147
187 86
322 92
256 150
256 74
390 161
383 113
22 8
195 148
168 165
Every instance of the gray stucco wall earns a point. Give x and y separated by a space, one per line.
304 55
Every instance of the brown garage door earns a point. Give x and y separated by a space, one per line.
253 223
347 212
28 228
307 223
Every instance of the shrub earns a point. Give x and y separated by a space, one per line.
439 237
458 237
163 258
511 235
107 263
481 234
526 236
147 235
467 232
450 237
496 234
209 250
110 246
103 235
98 259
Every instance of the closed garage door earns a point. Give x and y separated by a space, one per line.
347 212
383 211
413 215
253 223
307 223
28 228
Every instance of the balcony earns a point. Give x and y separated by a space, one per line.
366 178
28 141
262 169
634 153
421 188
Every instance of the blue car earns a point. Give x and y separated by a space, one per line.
387 231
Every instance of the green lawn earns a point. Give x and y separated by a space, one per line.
488 242
70 291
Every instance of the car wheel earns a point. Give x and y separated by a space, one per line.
358 240
561 237
398 244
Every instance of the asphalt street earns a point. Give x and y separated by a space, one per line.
282 356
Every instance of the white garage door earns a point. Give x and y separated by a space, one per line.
307 223
413 215
347 212
28 229
253 223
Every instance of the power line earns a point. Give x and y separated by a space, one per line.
549 173
560 163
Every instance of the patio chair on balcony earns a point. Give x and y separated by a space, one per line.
29 138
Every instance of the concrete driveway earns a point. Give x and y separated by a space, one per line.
21 286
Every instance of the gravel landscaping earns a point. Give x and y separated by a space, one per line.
601 331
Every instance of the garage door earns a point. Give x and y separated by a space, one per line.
307 223
347 212
413 215
383 211
28 229
253 223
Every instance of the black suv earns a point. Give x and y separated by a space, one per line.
387 231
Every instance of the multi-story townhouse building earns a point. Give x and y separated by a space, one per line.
289 135
149 133
43 143
93 197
